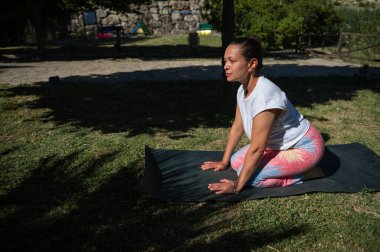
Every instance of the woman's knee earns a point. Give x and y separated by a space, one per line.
237 159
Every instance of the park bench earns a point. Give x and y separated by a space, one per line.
102 31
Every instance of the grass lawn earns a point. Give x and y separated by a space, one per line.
164 47
71 165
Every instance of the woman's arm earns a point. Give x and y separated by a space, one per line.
236 132
261 127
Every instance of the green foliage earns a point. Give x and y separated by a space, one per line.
360 47
317 16
363 20
279 22
360 20
214 13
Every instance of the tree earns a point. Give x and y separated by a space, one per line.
39 22
222 16
228 34
278 23
12 23
228 23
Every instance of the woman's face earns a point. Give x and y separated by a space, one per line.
236 66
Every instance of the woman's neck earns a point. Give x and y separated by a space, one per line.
250 85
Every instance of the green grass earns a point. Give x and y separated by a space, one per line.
71 165
213 40
167 47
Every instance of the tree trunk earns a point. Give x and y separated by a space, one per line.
40 33
37 15
228 34
228 23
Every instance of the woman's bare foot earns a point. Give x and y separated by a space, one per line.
315 172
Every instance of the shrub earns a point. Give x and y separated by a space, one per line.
362 20
279 23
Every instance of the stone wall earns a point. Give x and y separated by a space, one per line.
159 17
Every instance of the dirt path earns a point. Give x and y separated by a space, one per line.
124 70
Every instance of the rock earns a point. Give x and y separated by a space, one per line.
202 3
181 25
111 20
158 32
80 20
132 17
172 16
168 27
156 17
176 16
180 5
165 11
189 18
193 25
144 7
155 24
147 17
125 26
153 10
123 18
162 4
101 13
166 19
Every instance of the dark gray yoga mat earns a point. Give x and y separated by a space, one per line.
175 175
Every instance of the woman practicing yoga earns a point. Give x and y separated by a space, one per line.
284 147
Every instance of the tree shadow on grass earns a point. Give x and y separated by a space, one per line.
250 240
306 92
104 49
169 107
80 52
133 108
101 72
74 49
53 185
53 210
7 151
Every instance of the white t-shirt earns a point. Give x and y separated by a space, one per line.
287 129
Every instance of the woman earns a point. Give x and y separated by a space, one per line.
284 148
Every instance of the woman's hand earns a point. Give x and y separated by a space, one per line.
225 186
216 165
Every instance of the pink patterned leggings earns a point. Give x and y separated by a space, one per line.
284 167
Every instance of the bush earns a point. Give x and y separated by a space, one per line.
279 23
361 20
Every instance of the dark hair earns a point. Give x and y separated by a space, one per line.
250 48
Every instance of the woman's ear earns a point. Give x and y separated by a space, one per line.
252 64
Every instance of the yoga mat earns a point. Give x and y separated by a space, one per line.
175 175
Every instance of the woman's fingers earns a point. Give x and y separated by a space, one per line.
223 187
226 181
219 167
213 165
209 165
216 186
